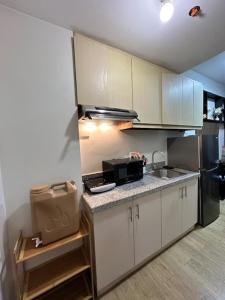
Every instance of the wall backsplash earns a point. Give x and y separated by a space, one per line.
108 143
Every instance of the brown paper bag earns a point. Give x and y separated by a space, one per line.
55 211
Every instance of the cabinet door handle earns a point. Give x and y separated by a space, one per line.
131 214
185 191
137 214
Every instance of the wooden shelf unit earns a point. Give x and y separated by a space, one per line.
58 272
75 289
27 245
47 276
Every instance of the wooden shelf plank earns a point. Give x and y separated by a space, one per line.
28 250
51 274
76 289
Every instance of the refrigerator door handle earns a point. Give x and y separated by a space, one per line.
185 191
211 170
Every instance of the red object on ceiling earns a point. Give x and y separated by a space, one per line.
195 11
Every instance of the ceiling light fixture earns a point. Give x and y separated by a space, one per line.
166 11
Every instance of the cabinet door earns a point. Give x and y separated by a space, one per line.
147 91
114 246
187 106
119 81
147 226
190 205
171 214
198 104
171 99
91 60
103 74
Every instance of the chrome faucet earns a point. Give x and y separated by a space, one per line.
153 158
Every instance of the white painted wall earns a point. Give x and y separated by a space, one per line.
208 84
112 143
38 126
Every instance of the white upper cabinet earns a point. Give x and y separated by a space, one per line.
171 99
182 101
103 74
198 104
187 104
147 91
106 76
119 83
91 72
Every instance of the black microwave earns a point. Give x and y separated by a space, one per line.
123 170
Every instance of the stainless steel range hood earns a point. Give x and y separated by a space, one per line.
101 112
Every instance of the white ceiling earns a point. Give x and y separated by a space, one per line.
134 25
213 68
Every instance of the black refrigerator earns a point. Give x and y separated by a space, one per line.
200 152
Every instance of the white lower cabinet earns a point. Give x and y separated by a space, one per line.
179 210
114 248
190 204
147 226
128 234
171 214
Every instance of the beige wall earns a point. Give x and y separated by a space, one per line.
38 128
112 143
209 84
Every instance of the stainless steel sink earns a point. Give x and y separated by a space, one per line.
165 173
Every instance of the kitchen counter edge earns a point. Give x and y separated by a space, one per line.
98 202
